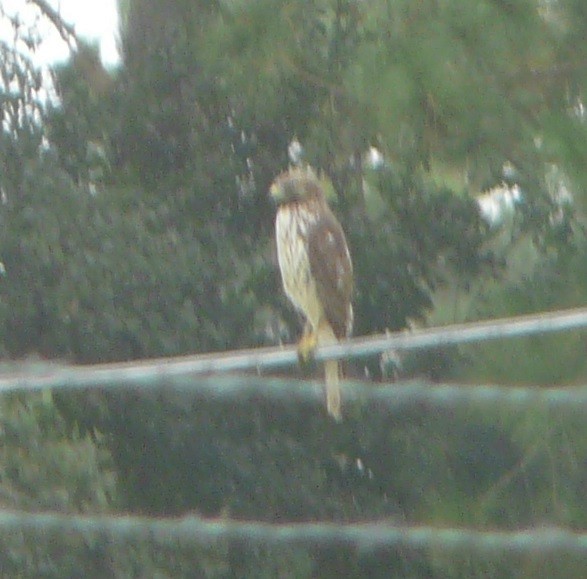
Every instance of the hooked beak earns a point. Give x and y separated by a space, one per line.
276 192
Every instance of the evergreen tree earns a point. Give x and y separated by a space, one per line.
136 222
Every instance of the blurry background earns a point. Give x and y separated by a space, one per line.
138 142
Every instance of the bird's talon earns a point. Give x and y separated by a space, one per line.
306 348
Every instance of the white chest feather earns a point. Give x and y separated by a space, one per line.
291 229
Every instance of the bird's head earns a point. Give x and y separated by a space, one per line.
296 184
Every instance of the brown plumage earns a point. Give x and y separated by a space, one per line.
316 267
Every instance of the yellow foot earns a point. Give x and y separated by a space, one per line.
306 347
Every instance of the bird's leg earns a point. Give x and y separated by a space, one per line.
307 344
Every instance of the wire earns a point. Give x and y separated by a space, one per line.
395 396
367 536
186 373
173 371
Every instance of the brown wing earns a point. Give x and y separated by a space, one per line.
331 268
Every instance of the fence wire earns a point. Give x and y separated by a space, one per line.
393 397
150 373
367 537
192 373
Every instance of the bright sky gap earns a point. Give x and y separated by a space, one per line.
95 21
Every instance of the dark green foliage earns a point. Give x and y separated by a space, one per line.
545 360
404 251
135 223
45 465
275 461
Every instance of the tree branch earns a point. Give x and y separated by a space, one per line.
66 31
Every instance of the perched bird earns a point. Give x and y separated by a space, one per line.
316 268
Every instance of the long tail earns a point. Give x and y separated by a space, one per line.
332 375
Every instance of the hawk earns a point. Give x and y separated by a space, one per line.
316 268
